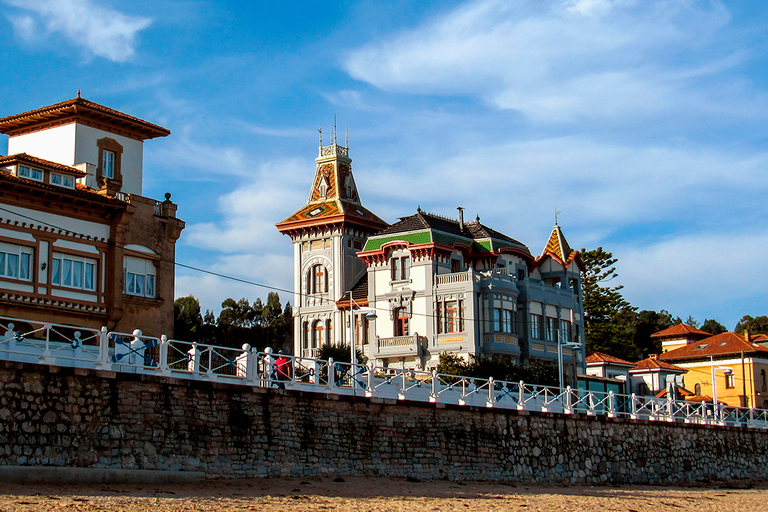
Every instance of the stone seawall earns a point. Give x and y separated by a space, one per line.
51 416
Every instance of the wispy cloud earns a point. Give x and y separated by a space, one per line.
101 31
562 61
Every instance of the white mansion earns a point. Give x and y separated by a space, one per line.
436 284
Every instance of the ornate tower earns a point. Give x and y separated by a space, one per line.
327 233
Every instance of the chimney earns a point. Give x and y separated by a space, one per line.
653 356
461 217
747 336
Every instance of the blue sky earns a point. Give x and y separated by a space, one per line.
645 122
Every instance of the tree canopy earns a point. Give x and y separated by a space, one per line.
239 322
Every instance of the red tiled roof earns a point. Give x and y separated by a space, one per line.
24 158
680 391
599 357
653 363
78 191
727 343
759 337
81 110
680 330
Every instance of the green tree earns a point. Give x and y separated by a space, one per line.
713 327
340 353
187 320
608 316
647 323
236 313
756 325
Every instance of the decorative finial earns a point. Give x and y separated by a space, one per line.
346 136
78 93
321 135
418 209
334 128
557 212
478 218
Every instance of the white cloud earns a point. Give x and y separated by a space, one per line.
710 275
101 31
563 61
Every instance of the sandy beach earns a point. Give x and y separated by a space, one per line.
373 494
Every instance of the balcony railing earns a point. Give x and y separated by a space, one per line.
47 343
456 277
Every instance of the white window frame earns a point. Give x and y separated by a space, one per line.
16 262
30 173
62 180
139 282
76 272
108 164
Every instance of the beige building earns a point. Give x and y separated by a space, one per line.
79 243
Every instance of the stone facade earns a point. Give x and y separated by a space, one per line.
52 416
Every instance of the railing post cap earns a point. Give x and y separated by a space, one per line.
268 350
246 347
137 332
164 338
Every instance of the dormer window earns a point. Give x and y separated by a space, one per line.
108 164
62 180
28 172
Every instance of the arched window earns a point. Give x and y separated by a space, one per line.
401 322
328 332
317 334
697 389
318 279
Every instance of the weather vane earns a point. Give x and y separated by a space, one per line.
557 212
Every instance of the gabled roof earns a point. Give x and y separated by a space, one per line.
557 248
359 294
23 158
724 344
681 331
82 111
601 358
333 197
424 227
653 363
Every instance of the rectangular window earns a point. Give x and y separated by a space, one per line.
729 380
455 265
140 276
497 319
565 331
15 262
535 326
62 180
73 272
108 164
32 174
551 329
450 316
401 268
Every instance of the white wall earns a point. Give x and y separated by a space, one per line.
55 144
86 151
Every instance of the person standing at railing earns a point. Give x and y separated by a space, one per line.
282 367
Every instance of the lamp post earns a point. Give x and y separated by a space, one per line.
370 313
571 344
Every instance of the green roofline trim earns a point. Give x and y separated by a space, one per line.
420 237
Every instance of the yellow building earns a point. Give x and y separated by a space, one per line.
738 364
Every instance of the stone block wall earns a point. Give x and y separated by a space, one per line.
51 416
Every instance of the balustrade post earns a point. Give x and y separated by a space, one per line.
611 405
521 397
252 368
489 402
568 401
433 395
47 353
369 389
633 406
163 363
331 373
209 369
193 364
103 349
670 408
315 379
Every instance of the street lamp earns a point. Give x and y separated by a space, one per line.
370 313
571 344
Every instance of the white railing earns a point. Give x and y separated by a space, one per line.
53 344
456 277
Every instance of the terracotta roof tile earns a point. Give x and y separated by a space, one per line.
47 165
79 109
653 363
680 330
599 357
82 192
727 343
